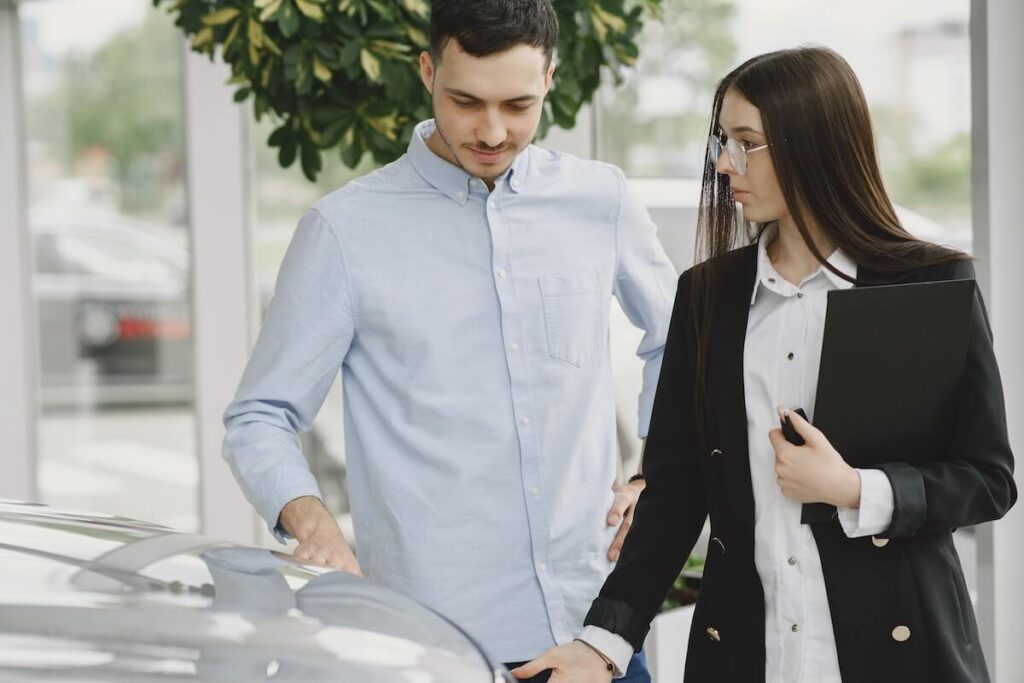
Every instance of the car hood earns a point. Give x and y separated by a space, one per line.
89 597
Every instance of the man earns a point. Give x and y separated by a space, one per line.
464 291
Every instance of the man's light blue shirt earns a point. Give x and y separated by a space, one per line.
471 330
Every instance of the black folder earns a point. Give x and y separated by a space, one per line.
891 361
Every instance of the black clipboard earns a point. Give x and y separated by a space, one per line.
891 361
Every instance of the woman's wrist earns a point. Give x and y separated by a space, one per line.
608 664
848 489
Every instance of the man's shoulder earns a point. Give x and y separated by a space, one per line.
365 192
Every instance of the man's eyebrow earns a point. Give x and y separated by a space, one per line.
471 96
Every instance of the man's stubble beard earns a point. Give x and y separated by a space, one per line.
458 161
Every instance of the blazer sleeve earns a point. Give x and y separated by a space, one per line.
671 511
973 482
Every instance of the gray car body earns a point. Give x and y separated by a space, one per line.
89 597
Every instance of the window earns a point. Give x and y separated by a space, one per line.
913 61
103 113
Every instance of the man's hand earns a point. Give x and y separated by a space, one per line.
570 663
814 472
320 539
623 506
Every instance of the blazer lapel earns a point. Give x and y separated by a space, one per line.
728 398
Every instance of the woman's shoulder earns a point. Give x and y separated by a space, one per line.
724 267
938 263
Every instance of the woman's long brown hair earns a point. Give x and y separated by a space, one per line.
817 124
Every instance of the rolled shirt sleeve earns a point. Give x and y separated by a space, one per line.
304 339
645 286
874 515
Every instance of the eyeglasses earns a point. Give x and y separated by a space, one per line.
736 150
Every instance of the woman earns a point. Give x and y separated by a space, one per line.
878 594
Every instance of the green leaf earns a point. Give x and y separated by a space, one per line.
352 152
220 17
371 65
350 53
279 137
286 156
288 19
312 161
417 7
332 134
310 9
270 9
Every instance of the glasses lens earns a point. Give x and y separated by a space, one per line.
737 155
714 150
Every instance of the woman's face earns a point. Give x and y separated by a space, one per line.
758 189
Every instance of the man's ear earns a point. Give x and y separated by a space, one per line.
427 71
548 78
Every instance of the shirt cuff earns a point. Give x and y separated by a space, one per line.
611 645
876 506
287 484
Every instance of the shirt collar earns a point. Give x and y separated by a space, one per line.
451 180
766 272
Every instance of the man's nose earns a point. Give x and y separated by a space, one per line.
492 131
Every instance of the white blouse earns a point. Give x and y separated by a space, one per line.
781 356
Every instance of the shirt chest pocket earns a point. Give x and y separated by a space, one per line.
572 315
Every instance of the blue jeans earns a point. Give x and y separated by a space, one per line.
636 673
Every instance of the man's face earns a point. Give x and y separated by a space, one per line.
486 108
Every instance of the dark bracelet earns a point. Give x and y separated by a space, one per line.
639 476
607 662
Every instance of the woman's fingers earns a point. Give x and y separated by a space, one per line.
531 669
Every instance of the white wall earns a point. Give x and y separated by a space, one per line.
17 343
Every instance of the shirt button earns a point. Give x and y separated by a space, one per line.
514 346
460 194
535 491
901 634
503 273
515 183
799 295
795 628
790 356
526 421
543 567
792 561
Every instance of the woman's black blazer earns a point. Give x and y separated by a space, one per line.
908 582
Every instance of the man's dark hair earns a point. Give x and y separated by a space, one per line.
487 27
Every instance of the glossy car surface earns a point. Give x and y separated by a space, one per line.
87 597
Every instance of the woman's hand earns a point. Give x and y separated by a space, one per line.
570 663
814 472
